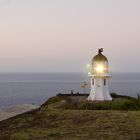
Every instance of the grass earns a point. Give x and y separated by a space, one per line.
119 103
54 121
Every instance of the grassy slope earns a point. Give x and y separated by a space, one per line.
53 123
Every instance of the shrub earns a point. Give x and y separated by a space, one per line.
127 104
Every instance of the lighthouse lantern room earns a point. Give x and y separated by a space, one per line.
99 74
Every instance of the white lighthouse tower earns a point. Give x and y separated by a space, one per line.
99 75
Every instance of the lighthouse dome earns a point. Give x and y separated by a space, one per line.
99 57
99 63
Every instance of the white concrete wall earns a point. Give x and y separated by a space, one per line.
99 91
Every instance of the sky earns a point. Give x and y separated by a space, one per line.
64 35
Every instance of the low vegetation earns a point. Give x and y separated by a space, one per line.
119 103
61 118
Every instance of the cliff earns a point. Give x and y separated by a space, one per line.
58 119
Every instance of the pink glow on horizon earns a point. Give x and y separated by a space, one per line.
44 36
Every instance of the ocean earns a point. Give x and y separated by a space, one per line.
36 88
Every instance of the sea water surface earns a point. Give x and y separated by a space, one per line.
36 88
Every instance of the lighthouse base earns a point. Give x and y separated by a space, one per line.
99 89
100 98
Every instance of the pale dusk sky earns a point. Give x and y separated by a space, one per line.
63 35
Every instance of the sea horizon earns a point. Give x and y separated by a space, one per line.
36 88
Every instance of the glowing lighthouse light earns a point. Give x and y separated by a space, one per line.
99 69
99 74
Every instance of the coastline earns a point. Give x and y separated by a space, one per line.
16 110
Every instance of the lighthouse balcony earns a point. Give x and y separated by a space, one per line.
100 74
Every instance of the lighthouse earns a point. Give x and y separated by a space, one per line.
99 75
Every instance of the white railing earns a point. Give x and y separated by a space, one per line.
100 74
